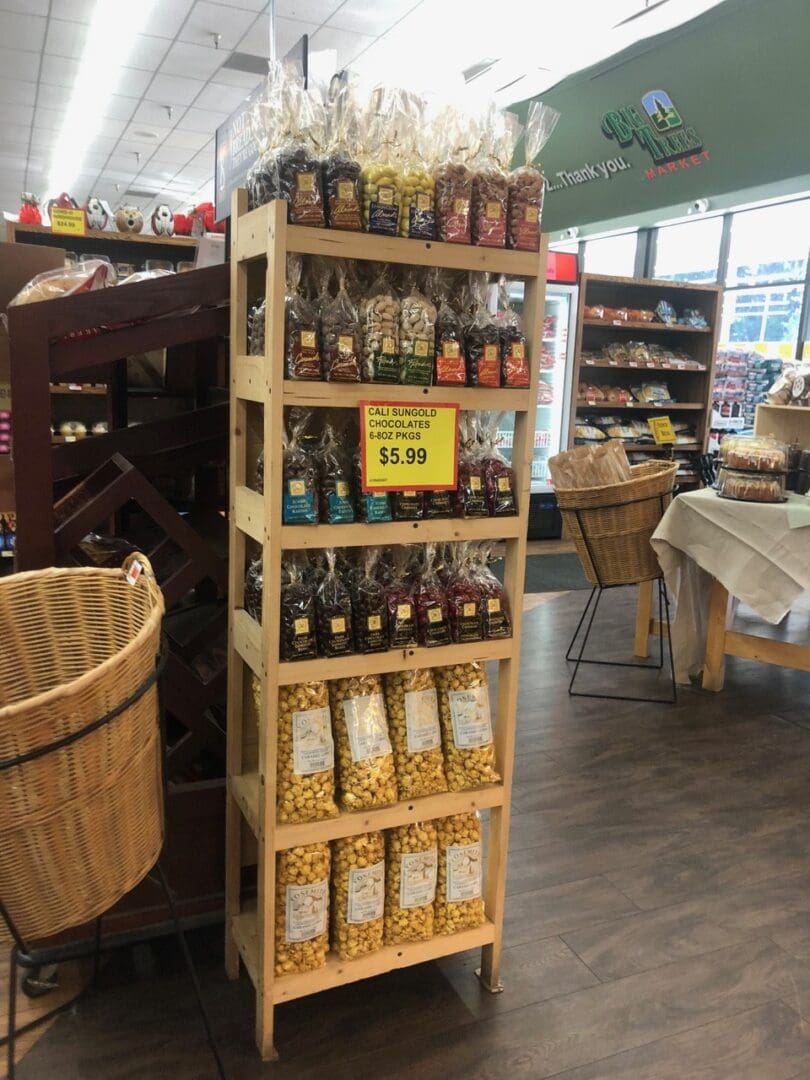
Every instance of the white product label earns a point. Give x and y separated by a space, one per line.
366 727
464 872
313 746
417 883
422 720
469 711
306 911
366 893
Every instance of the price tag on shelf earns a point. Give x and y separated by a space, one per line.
408 446
67 222
661 428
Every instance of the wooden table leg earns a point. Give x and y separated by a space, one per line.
641 643
714 662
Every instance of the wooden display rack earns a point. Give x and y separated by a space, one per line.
260 242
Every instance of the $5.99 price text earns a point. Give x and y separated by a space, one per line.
407 455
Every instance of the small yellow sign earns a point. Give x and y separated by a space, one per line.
68 222
406 445
661 428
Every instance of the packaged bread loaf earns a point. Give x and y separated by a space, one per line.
302 908
410 882
366 775
413 721
464 711
459 902
305 773
358 894
526 184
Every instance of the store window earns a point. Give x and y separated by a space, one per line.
689 252
612 254
765 320
769 245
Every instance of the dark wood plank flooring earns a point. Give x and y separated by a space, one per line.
658 923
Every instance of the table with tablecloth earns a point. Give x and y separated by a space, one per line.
710 548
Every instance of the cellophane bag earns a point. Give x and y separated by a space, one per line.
302 908
299 505
514 347
499 477
464 711
433 620
459 903
490 193
337 498
256 328
379 319
299 155
341 339
413 723
366 775
417 335
333 606
482 341
358 894
451 361
370 607
495 616
463 597
372 506
402 624
410 882
341 170
417 212
301 330
298 639
266 128
455 145
526 184
254 587
407 505
305 757
383 127
471 498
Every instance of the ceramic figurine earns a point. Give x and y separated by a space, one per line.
128 219
162 221
95 213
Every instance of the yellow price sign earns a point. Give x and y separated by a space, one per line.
661 428
67 222
408 446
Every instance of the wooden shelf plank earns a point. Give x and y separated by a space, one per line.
665 406
77 390
652 448
348 395
104 236
247 640
249 378
644 368
244 929
654 327
296 537
249 513
245 789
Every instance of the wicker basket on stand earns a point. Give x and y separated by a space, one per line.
81 787
611 525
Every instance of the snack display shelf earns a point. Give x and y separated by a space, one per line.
264 234
14 230
653 448
653 327
678 368
75 390
609 406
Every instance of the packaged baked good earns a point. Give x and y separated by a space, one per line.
499 476
594 311
336 496
366 776
750 486
417 329
455 147
302 908
379 319
87 276
482 342
370 607
301 330
402 626
410 882
464 712
666 313
297 614
588 432
333 606
343 191
526 184
413 722
652 392
358 894
299 501
341 340
756 452
432 618
305 754
459 903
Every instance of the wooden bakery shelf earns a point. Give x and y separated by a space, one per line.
16 233
653 406
644 368
260 242
653 327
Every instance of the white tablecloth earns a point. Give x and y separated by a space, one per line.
750 548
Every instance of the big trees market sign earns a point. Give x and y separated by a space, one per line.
660 130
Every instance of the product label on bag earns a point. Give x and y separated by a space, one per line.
313 746
306 911
463 872
422 219
366 898
470 716
339 505
422 720
383 215
298 504
378 507
417 883
468 621
489 366
366 727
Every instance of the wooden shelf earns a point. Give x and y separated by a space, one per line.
654 327
349 395
78 391
646 367
654 449
663 406
103 236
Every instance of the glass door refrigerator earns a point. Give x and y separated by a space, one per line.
553 391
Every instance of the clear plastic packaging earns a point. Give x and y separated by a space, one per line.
299 156
495 617
410 882
343 188
372 506
756 452
417 214
402 625
379 317
750 486
433 620
366 775
302 908
301 334
266 125
464 711
336 496
490 193
482 341
370 607
499 476
358 894
254 587
413 721
454 178
256 328
305 773
87 276
341 338
463 597
384 125
407 505
450 362
300 474
526 184
471 497
298 616
333 606
459 903
514 347
417 342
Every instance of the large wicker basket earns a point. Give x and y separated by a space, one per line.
611 526
81 823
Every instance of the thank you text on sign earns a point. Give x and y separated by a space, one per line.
408 446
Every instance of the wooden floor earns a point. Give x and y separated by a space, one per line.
658 922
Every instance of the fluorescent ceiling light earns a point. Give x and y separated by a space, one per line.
104 57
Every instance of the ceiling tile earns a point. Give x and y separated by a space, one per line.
21 115
203 120
121 108
16 92
133 83
170 157
252 5
132 129
42 139
363 18
174 90
51 97
19 31
317 11
150 114
208 19
74 10
167 17
19 64
192 61
218 97
49 119
103 144
188 140
147 52
66 38
58 71
108 125
26 7
288 32
238 78
16 133
348 45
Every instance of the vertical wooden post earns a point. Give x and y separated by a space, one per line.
509 670
714 663
641 643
